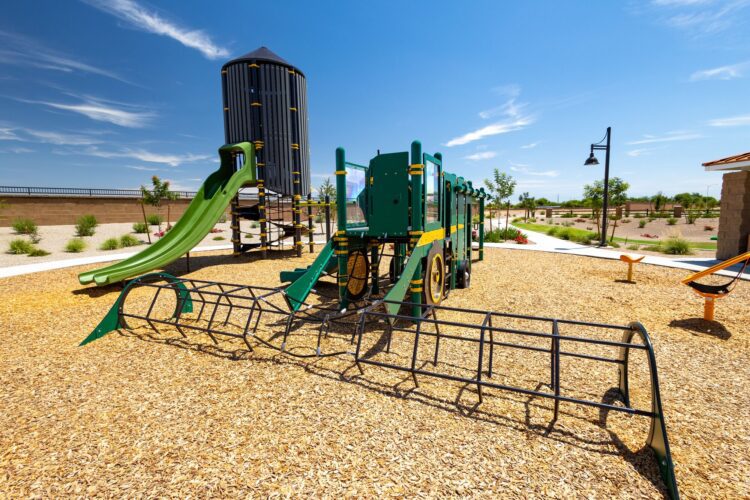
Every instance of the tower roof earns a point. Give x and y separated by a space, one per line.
263 54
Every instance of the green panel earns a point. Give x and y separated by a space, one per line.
204 211
399 290
297 292
111 321
388 206
433 183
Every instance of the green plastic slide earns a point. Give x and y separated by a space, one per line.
297 292
202 214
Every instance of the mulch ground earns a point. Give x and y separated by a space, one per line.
146 414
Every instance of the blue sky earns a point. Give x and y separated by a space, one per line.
106 93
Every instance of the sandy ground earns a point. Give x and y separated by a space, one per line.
147 414
54 239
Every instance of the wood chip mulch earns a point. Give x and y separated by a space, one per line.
144 414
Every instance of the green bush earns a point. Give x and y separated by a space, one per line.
671 221
634 246
568 216
552 231
517 220
638 216
563 233
38 252
76 245
155 219
110 244
218 238
614 244
625 221
641 223
140 228
127 240
24 226
584 238
19 247
675 246
499 235
692 217
85 225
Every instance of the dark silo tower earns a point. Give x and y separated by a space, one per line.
265 102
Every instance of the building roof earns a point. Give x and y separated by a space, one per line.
736 162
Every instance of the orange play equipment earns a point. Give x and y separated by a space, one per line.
631 260
712 292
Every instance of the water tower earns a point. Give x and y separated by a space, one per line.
265 102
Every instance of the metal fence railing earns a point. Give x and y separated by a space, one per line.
88 192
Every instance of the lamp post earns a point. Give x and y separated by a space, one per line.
604 145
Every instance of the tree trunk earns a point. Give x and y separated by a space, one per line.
145 221
507 218
490 210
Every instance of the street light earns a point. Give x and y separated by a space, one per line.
591 160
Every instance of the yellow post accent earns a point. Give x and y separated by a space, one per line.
255 104
416 282
340 172
292 109
223 72
226 109
260 165
253 65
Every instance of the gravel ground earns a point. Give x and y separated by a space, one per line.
145 414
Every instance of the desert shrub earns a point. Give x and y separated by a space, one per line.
589 228
38 252
614 244
641 223
708 228
155 219
691 217
140 228
110 244
85 225
584 238
127 240
634 246
552 231
498 235
568 224
568 216
563 233
76 245
638 216
675 246
24 226
580 220
516 220
625 221
19 247
218 238
651 219
671 221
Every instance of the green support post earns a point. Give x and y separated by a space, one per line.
340 240
374 271
416 169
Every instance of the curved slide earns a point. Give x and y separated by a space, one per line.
204 211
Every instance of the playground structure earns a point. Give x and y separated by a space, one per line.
711 293
402 210
407 202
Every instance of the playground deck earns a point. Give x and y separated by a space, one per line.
153 414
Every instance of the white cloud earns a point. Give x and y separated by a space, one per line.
18 151
639 152
733 121
495 129
521 168
13 133
104 111
530 146
485 155
729 72
173 160
19 50
704 17
141 167
142 18
668 137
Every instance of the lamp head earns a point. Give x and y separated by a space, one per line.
591 160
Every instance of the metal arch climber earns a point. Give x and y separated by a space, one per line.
412 345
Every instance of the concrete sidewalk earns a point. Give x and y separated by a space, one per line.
545 243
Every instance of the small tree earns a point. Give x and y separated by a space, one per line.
327 188
593 194
528 203
618 196
505 186
491 199
153 197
